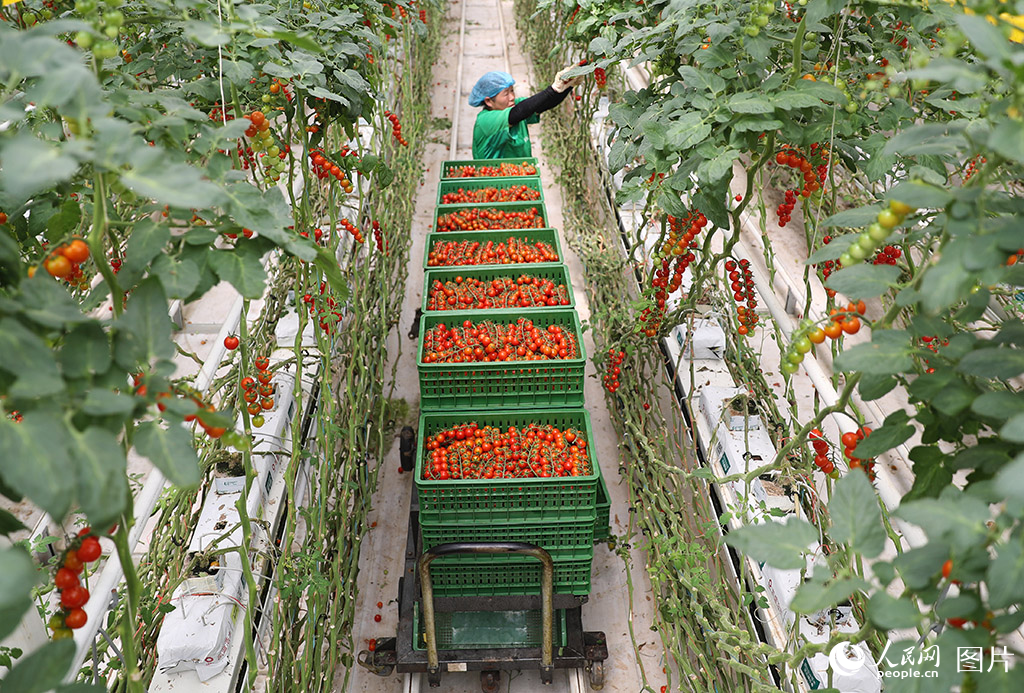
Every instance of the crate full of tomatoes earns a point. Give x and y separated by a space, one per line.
489 168
476 248
525 289
465 191
504 467
501 359
499 217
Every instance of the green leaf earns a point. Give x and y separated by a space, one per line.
928 138
29 359
701 79
65 221
36 461
713 170
1005 579
872 387
241 267
17 578
813 596
947 281
168 182
1014 429
179 278
789 100
171 450
102 475
851 218
931 475
302 41
954 516
955 398
863 280
146 323
779 545
1008 139
756 124
687 131
9 524
831 251
205 34
48 303
919 194
42 670
856 518
993 362
888 352
749 102
146 241
985 38
10 616
887 612
893 432
329 266
86 351
921 565
999 405
100 402
41 166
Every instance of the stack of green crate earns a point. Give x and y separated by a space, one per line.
564 515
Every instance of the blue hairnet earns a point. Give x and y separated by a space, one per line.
488 86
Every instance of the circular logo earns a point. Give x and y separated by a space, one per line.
846 659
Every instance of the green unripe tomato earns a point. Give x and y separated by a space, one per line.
84 7
806 324
46 13
871 84
111 32
84 40
851 107
888 219
857 252
810 36
273 151
266 98
29 19
760 20
802 3
846 260
788 368
802 345
767 7
834 474
794 357
104 50
877 232
114 18
751 31
894 91
866 241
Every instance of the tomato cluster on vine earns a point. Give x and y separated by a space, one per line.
503 169
821 454
469 451
467 293
850 441
613 368
396 128
73 595
324 167
827 267
352 229
478 219
785 210
323 308
258 393
887 220
813 178
378 237
511 193
512 251
490 341
600 78
65 263
741 281
932 344
840 322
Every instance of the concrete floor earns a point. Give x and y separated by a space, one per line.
609 608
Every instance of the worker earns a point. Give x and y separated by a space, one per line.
500 129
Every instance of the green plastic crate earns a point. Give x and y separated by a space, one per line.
453 185
503 384
603 525
448 166
531 236
575 537
480 630
556 273
458 577
490 501
501 207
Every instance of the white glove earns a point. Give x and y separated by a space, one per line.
562 83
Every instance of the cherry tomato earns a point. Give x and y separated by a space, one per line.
888 219
65 579
72 562
58 266
76 619
77 251
258 420
849 440
90 549
947 568
231 342
74 597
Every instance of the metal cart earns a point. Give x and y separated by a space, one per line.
489 634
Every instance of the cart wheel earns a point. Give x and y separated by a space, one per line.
490 681
595 671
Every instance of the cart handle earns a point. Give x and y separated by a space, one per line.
547 590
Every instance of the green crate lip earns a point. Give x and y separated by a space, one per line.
603 504
557 272
547 235
574 583
450 164
577 535
501 206
450 185
430 422
539 317
560 556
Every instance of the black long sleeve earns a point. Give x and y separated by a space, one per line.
538 103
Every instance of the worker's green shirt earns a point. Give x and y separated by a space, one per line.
494 139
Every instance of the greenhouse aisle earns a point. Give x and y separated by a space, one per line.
382 554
